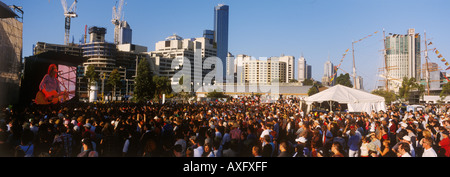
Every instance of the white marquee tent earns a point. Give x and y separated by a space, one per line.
356 100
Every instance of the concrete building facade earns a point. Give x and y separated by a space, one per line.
264 72
328 72
11 44
289 60
175 49
403 57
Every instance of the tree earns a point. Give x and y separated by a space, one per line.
91 75
445 90
409 85
293 81
314 89
144 86
344 79
389 97
162 86
308 82
114 80
215 94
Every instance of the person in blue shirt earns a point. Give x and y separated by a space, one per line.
353 144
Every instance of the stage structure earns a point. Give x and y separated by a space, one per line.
36 67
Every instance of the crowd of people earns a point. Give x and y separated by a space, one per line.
239 127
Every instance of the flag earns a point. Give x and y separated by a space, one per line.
447 68
430 43
446 64
417 35
346 51
443 60
440 56
437 52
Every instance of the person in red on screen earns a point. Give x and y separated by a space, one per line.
50 84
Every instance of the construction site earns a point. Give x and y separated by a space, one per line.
94 50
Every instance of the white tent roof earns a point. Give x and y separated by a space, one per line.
343 94
353 97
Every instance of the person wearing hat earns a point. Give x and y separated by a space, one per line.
407 139
87 131
302 148
88 150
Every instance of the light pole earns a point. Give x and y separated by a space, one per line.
103 77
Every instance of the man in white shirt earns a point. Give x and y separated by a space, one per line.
265 132
198 152
428 150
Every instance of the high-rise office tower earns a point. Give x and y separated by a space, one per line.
359 83
221 33
308 72
328 72
209 34
403 57
301 69
125 33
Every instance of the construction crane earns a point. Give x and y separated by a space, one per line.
353 54
117 20
69 12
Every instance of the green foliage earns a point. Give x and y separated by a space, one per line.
409 85
293 81
162 86
308 82
344 79
144 87
314 89
114 80
445 90
181 81
91 75
388 96
215 94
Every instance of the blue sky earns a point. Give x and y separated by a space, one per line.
260 28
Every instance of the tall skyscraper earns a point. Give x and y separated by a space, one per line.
221 33
359 83
308 72
209 34
403 57
328 72
301 69
125 33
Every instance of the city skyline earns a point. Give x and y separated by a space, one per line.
257 28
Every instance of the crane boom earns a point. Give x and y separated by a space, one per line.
117 20
69 12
